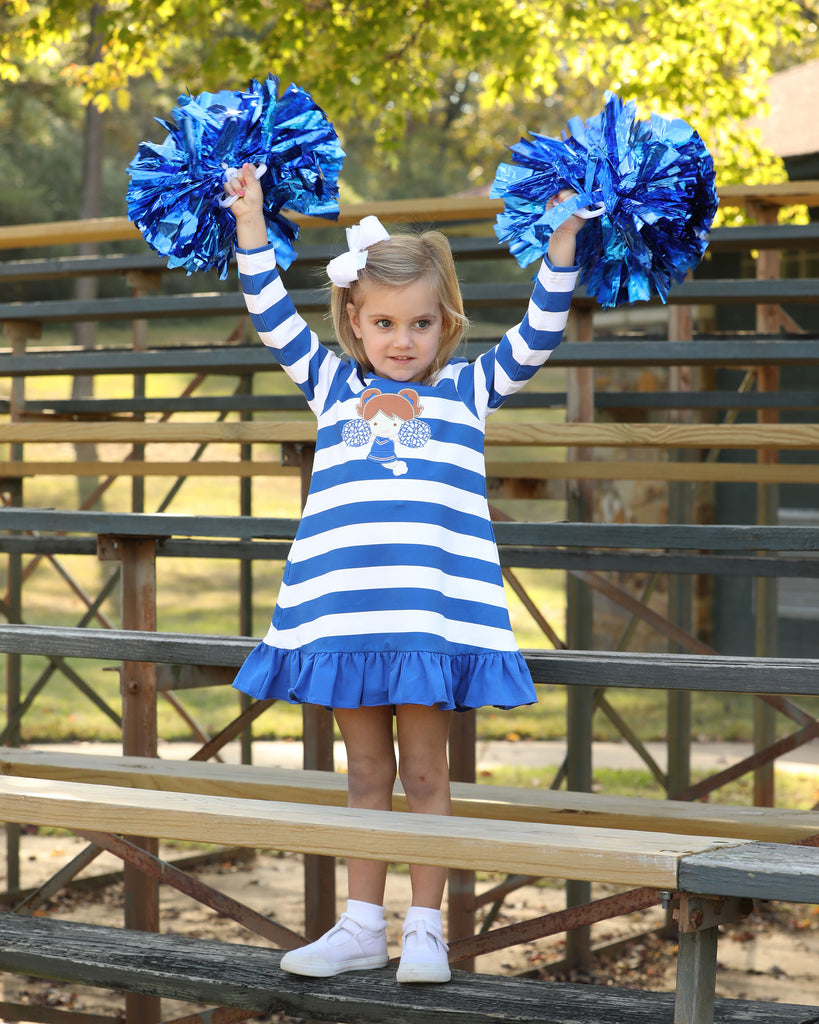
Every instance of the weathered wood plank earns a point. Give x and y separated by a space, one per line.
241 359
725 239
761 871
620 435
583 668
526 848
472 800
247 977
575 535
708 472
724 472
532 558
137 468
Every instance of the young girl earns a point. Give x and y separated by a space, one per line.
392 608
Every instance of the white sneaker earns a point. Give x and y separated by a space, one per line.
348 946
424 953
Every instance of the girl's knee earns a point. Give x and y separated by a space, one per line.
422 781
370 774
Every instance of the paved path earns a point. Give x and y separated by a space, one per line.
708 756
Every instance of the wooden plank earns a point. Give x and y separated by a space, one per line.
389 211
255 358
193 970
765 871
147 307
126 645
526 399
470 800
783 193
714 673
580 535
723 239
526 848
583 668
710 472
620 435
148 524
136 468
722 472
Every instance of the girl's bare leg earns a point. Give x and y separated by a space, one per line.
368 737
424 770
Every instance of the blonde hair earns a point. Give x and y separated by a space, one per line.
398 261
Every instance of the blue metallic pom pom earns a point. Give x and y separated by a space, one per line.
175 187
654 180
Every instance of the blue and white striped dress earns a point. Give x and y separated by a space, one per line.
392 593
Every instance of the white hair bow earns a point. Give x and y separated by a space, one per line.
343 269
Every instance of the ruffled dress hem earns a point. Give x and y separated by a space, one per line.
342 679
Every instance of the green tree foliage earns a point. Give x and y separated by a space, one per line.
460 79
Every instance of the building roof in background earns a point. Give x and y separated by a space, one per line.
791 127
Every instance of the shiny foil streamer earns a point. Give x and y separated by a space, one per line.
175 186
654 179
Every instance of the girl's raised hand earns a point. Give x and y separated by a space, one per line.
563 240
247 207
243 191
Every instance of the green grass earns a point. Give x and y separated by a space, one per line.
794 789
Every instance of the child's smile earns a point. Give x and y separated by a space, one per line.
400 328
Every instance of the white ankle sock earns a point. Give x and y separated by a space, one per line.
368 915
429 915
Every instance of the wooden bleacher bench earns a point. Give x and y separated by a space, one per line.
469 800
706 871
247 977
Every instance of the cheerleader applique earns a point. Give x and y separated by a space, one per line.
387 420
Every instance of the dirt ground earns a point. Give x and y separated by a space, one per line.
771 955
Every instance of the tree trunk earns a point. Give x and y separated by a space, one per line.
85 288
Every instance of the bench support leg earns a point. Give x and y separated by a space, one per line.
696 977
699 918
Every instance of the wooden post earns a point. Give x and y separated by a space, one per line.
579 628
19 333
766 634
246 568
137 556
318 736
142 282
461 882
680 586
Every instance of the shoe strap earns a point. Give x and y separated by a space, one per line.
424 931
345 921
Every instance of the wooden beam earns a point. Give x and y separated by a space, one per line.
537 473
194 970
615 856
615 435
471 800
452 208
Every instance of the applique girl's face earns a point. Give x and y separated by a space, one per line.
385 425
400 328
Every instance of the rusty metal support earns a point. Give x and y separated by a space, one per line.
148 864
232 730
748 764
580 916
220 1015
51 1015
